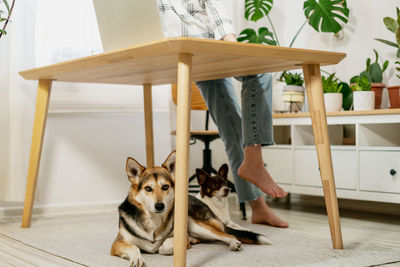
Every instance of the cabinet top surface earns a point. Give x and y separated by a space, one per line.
156 62
339 113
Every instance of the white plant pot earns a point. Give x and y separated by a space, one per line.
293 97
364 100
277 89
333 102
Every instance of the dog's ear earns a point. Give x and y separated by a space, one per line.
169 163
201 176
223 171
134 170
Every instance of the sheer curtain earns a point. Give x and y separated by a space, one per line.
17 99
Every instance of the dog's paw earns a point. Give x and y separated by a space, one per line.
235 245
165 250
137 262
167 247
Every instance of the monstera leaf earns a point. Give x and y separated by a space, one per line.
257 9
323 15
264 36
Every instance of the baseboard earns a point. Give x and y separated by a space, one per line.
15 211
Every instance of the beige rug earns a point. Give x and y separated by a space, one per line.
87 239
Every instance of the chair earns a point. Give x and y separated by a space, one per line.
206 136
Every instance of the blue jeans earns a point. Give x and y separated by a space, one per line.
255 128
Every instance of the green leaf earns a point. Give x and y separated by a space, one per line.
376 73
398 36
248 35
3 32
376 55
385 65
347 96
388 42
391 24
324 15
257 9
6 4
264 36
2 19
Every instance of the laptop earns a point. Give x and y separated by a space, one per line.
124 23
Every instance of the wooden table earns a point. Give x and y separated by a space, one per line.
181 61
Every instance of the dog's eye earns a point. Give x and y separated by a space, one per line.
148 188
165 187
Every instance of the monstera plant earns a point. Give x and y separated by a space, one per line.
322 15
5 15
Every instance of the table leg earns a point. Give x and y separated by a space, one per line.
182 158
148 122
39 125
312 78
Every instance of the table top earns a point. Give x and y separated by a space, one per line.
156 62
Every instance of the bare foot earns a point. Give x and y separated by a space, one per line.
252 169
262 214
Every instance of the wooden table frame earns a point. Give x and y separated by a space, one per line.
181 61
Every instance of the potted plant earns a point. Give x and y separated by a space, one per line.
333 96
374 74
323 16
364 98
293 91
5 15
393 26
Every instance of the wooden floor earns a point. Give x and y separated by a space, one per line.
304 214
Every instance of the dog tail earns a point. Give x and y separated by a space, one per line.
247 237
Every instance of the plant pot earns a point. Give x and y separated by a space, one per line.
364 100
378 89
277 89
333 102
293 96
394 96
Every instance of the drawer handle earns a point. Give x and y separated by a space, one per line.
393 172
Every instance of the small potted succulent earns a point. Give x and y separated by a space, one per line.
333 96
374 74
363 97
293 91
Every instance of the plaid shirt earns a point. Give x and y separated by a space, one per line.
205 19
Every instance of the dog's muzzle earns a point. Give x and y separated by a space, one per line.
159 206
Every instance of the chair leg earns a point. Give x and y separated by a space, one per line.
182 159
148 121
312 77
243 209
39 125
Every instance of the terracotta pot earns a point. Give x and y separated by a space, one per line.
394 96
378 88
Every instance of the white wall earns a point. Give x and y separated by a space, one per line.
84 154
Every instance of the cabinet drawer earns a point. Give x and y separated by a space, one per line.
375 168
307 169
279 164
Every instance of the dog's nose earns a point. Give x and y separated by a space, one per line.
159 206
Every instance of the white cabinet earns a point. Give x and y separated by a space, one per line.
307 173
365 154
380 171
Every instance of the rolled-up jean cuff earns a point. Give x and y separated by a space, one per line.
253 197
261 144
